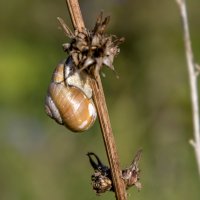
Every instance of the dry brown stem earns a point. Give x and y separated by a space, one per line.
104 120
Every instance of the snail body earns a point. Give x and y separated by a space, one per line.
69 100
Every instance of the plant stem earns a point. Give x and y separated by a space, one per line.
192 70
99 99
75 14
108 138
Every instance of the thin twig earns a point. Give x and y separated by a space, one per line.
104 120
193 78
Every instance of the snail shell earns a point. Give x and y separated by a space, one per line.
68 100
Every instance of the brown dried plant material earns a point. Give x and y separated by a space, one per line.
91 50
131 173
102 179
96 85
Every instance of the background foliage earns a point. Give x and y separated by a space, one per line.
149 105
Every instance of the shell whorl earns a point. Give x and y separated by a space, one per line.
69 105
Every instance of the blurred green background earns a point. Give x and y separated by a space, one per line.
149 105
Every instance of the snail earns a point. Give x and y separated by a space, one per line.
69 99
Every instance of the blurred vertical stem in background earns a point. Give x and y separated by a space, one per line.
193 70
104 120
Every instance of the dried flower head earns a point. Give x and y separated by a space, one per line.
101 183
91 50
102 179
131 173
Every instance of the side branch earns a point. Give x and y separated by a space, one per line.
193 78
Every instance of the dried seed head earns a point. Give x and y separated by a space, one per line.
131 173
101 183
102 179
91 50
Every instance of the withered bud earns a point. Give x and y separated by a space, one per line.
131 173
91 50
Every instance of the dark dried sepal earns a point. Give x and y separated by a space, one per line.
91 50
98 166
